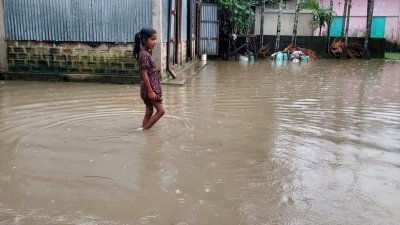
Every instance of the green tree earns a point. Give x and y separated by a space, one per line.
239 13
321 15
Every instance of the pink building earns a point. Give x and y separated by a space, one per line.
385 22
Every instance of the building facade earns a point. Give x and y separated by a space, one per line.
271 19
287 22
385 20
91 40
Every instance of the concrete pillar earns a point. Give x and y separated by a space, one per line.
157 25
3 44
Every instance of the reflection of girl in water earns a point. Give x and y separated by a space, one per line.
150 87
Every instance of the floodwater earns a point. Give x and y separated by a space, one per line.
250 144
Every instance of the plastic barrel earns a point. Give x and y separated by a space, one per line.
304 58
279 56
285 56
251 58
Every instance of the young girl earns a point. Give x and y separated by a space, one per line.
150 88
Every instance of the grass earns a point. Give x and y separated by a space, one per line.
392 55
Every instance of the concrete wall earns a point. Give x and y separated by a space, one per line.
3 44
318 44
183 57
77 61
157 25
183 53
164 57
358 20
271 20
70 61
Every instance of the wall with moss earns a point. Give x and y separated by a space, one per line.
103 62
75 61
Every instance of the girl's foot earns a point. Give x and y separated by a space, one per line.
140 129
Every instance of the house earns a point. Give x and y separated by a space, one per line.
92 40
385 20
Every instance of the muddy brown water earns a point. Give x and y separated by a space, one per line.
315 143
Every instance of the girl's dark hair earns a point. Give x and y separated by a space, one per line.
140 38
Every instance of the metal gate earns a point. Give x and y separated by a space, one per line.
209 29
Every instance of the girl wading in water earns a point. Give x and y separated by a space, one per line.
150 87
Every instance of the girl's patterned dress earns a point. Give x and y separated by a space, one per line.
147 62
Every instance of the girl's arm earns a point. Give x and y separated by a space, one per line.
146 81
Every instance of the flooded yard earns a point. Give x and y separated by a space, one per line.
315 143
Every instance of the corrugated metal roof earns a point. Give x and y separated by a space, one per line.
76 20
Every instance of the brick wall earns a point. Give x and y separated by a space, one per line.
95 61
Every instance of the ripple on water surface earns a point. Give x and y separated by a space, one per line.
261 143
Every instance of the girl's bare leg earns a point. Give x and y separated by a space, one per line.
147 115
160 112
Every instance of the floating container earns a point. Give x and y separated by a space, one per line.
285 56
251 58
305 58
279 56
243 58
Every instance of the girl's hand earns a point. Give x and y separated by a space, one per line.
152 96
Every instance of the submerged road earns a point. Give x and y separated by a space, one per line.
315 143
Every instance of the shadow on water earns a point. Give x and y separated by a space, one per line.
261 143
